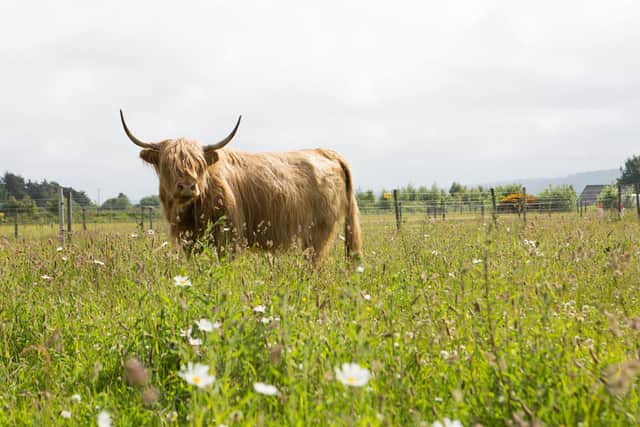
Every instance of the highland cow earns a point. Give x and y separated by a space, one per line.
269 201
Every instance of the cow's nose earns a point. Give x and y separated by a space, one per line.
186 188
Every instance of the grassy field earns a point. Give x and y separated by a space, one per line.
512 324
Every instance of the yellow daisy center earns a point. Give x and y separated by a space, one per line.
196 379
352 380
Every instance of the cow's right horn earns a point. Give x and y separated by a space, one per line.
139 143
225 141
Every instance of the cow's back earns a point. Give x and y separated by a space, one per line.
283 197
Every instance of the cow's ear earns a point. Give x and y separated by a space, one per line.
211 156
150 156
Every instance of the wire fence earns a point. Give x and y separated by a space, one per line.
57 216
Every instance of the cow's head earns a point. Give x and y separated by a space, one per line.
181 164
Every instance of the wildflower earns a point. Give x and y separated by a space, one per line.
259 309
195 341
64 258
266 389
150 232
133 235
76 398
197 375
206 325
360 269
59 249
65 414
185 332
104 419
98 262
181 281
46 277
266 320
351 374
367 297
476 261
447 423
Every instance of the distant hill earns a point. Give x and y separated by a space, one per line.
578 180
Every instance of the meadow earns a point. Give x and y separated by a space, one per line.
483 323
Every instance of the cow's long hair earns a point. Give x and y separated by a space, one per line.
263 200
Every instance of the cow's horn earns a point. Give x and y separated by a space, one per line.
135 140
224 141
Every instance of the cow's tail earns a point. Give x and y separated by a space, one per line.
352 233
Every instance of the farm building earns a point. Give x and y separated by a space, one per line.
590 193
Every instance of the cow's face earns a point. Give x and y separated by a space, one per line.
181 164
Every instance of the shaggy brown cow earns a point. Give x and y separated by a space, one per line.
264 200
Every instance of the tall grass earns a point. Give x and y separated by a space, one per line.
459 319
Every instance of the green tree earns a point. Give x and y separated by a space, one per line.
558 198
118 203
631 171
153 201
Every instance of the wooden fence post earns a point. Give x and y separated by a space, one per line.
61 215
150 217
524 204
493 206
141 217
84 219
619 201
15 224
69 215
637 190
397 208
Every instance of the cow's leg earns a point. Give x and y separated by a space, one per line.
321 241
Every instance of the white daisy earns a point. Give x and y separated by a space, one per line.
46 277
206 325
104 419
267 389
98 262
197 374
352 374
181 281
76 398
259 309
476 261
195 341
360 269
447 423
65 414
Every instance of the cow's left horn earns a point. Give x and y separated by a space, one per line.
135 140
224 141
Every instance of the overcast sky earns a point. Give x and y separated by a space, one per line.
409 92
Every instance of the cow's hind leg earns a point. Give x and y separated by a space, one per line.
321 242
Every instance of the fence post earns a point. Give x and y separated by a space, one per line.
493 206
150 217
15 224
524 204
84 219
61 215
637 188
141 217
396 207
619 201
69 215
